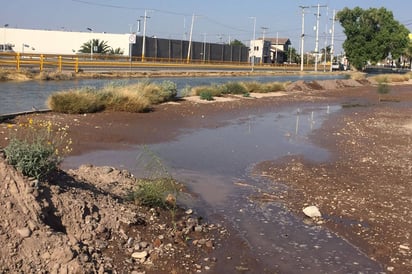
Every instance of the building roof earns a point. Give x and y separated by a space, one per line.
278 41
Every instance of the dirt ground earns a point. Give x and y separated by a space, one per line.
80 222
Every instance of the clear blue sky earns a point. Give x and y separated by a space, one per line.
217 20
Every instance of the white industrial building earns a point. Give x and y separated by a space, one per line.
56 42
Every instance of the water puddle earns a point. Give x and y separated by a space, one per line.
214 164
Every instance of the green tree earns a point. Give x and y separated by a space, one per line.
98 47
371 35
408 52
292 56
237 43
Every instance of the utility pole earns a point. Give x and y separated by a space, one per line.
254 38
276 48
263 40
302 37
317 36
144 34
332 46
190 39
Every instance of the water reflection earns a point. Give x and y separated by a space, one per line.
214 164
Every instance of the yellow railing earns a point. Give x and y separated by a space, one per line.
98 61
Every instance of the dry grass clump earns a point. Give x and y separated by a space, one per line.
357 75
55 75
257 87
75 101
115 96
391 78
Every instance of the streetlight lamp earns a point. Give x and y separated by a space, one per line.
91 44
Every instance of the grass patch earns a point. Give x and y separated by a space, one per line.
114 96
391 78
257 87
156 188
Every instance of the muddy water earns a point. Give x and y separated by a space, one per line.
215 165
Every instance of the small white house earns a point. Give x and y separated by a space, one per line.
56 42
259 51
271 50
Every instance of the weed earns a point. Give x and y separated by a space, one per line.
232 88
114 96
157 188
206 95
37 148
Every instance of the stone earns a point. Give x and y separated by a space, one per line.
139 255
312 212
24 232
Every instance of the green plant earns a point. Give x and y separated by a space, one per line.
37 148
232 88
157 188
383 88
206 95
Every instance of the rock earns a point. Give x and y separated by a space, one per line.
312 212
24 232
139 255
189 211
107 170
209 244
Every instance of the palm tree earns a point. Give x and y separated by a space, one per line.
117 51
98 47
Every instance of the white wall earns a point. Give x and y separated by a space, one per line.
58 42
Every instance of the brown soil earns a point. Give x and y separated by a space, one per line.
80 222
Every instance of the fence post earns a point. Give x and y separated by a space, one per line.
76 65
18 61
41 62
60 64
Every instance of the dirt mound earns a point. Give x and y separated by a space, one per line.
80 223
325 85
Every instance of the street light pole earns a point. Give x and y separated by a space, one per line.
91 44
263 40
254 38
332 46
144 34
190 39
302 39
317 36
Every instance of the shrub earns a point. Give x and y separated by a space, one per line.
114 96
232 88
156 188
212 89
37 148
155 193
206 95
75 102
263 87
